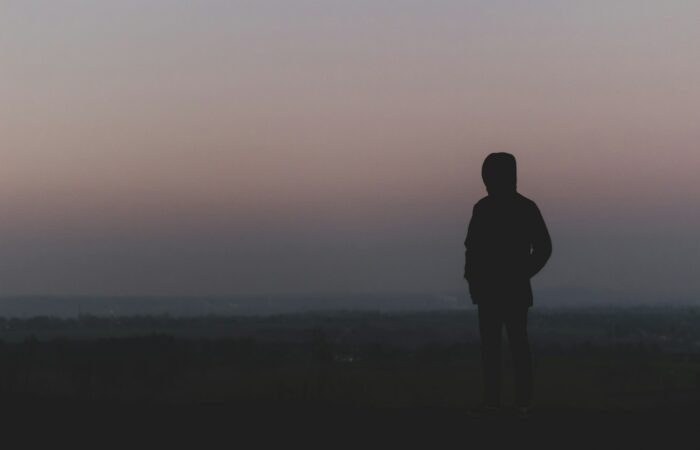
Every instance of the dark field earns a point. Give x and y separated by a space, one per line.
622 363
602 358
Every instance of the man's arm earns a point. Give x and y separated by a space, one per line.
541 244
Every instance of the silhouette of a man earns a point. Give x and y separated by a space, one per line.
507 244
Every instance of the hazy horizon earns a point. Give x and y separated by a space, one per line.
548 300
238 147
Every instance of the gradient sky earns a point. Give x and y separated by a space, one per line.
228 147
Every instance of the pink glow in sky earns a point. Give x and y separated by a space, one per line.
211 147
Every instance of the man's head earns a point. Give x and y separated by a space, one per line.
499 173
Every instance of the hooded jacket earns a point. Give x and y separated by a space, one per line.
507 240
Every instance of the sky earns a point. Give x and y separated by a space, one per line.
216 147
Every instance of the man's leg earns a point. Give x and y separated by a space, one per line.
516 326
490 324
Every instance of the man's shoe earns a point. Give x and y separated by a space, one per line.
523 411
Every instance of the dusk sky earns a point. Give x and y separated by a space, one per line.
273 146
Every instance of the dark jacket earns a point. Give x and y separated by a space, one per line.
507 244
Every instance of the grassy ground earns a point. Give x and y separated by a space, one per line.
393 375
